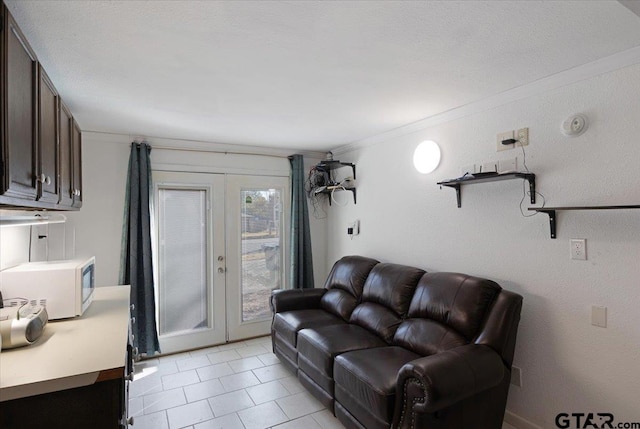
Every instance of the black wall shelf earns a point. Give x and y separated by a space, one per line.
328 166
490 177
332 165
551 211
338 189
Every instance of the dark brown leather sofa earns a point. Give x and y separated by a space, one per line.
387 345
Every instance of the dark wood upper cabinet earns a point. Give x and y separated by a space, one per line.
48 159
76 176
19 130
65 121
40 142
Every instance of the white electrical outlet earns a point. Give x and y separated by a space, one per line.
353 228
522 135
516 376
504 136
579 249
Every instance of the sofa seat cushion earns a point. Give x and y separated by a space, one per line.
365 382
317 348
288 324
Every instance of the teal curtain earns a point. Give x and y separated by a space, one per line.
301 274
136 268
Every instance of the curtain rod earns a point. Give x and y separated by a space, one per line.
140 139
225 152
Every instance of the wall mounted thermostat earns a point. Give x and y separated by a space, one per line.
575 125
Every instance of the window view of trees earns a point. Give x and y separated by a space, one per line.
261 250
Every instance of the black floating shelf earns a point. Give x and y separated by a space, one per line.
491 177
551 211
332 165
329 191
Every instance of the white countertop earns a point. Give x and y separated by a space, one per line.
70 353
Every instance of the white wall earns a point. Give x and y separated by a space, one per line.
20 244
14 246
567 364
97 226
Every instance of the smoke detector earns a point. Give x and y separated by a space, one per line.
575 125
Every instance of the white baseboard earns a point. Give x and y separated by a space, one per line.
518 422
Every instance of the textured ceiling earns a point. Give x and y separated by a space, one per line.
304 74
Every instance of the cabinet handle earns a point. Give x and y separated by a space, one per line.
43 178
130 421
129 377
132 307
133 320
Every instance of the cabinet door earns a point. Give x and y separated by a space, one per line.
48 164
76 177
19 114
66 155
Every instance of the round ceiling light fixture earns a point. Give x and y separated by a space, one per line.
426 157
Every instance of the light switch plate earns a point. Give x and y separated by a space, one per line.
599 316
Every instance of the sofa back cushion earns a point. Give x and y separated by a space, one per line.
447 310
344 285
385 298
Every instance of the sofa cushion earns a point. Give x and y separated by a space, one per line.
365 382
427 337
288 324
317 348
344 285
457 301
385 299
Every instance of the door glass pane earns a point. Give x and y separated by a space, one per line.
261 229
182 238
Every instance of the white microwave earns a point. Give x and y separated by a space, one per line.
66 286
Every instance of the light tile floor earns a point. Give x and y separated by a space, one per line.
234 386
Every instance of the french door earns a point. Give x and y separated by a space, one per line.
220 250
256 228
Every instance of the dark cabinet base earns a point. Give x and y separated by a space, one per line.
99 406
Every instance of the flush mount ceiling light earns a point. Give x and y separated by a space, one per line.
426 157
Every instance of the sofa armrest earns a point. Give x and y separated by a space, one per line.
432 383
295 299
